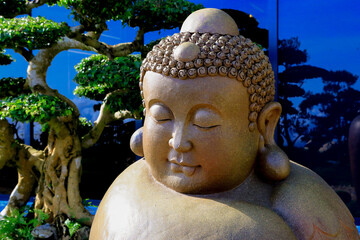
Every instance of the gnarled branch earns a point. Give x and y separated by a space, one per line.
28 55
111 51
105 117
36 72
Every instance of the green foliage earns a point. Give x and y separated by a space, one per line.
51 2
18 225
87 203
97 76
150 15
73 226
89 12
9 8
153 15
249 27
34 108
31 33
12 86
84 126
5 59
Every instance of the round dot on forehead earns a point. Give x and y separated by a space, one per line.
186 52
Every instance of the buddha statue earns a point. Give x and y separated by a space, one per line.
211 168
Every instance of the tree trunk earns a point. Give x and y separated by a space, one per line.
286 131
27 160
58 189
58 186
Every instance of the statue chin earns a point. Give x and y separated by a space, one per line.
211 168
182 183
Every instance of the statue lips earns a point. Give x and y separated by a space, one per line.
178 165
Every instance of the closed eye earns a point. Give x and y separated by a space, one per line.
208 127
163 120
160 113
206 118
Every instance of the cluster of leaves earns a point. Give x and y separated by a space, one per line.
20 223
12 87
97 76
72 225
84 126
322 119
33 108
291 79
333 109
5 59
290 53
9 8
87 203
31 33
75 224
90 13
248 27
154 15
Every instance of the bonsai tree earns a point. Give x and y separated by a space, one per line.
110 76
293 124
329 112
332 111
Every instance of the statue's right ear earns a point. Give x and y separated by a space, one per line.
272 162
136 142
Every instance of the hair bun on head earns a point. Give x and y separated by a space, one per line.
210 20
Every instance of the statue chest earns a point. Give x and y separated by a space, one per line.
170 215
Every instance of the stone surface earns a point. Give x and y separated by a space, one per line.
211 168
81 234
354 154
45 231
136 142
186 52
210 20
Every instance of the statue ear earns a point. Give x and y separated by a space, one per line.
267 121
272 162
136 142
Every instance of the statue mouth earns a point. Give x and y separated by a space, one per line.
181 167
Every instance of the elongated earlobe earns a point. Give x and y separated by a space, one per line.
272 162
136 142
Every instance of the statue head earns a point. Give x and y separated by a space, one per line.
209 112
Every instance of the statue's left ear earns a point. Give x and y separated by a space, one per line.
267 121
272 162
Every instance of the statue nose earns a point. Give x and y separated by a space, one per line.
180 142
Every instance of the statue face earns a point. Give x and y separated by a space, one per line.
196 136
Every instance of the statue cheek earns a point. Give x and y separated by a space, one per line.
156 137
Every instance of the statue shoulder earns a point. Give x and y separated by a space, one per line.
311 208
131 180
119 199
